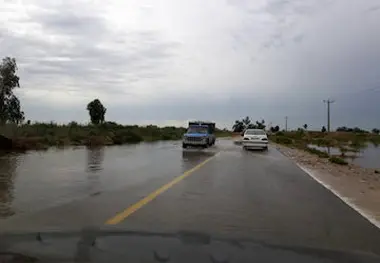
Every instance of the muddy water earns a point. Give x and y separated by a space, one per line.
41 179
38 180
368 157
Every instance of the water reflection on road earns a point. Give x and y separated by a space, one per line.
38 180
7 176
95 158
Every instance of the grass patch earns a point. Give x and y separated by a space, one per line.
43 135
337 160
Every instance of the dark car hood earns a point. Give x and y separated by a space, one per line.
105 245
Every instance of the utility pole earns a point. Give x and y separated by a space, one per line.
286 123
328 112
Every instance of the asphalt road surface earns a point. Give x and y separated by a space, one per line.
222 191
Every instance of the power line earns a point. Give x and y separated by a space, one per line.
328 112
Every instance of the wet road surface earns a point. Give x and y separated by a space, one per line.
228 192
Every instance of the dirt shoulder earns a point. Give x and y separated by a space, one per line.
359 187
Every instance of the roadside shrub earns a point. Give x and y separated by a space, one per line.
40 135
323 142
283 140
23 144
337 160
126 136
321 154
95 141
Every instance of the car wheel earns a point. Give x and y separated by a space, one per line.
184 145
265 148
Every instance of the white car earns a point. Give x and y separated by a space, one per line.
255 139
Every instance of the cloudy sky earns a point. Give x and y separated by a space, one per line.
167 61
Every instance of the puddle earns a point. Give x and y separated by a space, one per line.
368 157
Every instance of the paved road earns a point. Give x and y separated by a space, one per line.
223 191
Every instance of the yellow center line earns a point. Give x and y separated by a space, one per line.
133 208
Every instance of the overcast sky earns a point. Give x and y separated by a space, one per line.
167 61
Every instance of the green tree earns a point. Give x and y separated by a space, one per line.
305 126
246 121
258 125
238 126
97 111
10 109
376 131
275 129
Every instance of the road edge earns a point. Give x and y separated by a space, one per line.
367 215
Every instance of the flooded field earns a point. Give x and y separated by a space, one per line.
367 157
38 180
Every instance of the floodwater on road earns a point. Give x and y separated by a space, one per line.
38 180
158 187
368 157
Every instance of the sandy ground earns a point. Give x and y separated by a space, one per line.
359 187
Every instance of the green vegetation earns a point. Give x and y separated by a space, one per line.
26 135
345 141
42 135
10 110
337 160
321 154
97 111
241 125
282 140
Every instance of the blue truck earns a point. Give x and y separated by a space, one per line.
199 134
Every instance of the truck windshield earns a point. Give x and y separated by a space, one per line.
197 129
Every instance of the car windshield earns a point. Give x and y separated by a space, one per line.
197 129
255 132
237 119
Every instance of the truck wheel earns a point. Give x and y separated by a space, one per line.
184 145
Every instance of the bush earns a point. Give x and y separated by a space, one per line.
321 154
283 140
323 142
126 136
338 160
41 135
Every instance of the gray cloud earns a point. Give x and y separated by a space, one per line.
299 38
373 8
85 51
195 59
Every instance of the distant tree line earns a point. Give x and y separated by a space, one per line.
245 123
355 130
